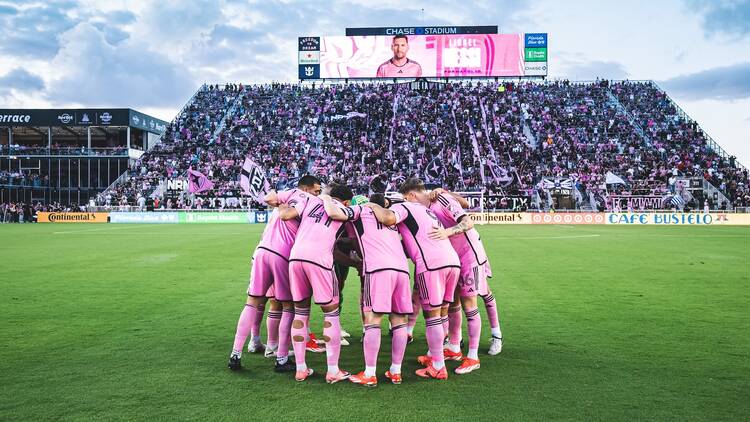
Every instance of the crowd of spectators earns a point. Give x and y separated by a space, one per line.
500 137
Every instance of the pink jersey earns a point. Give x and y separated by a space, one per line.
415 221
278 236
317 234
380 244
468 245
410 69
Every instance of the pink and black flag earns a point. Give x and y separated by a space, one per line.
253 180
198 182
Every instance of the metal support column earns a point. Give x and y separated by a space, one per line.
128 137
88 135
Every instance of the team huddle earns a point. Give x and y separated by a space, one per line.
311 237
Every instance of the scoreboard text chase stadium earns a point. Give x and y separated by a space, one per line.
405 55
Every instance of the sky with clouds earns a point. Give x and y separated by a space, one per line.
152 56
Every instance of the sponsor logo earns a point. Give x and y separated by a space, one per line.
660 218
535 55
85 118
535 40
568 218
72 217
144 217
105 118
535 68
65 118
309 70
309 57
136 120
309 43
15 118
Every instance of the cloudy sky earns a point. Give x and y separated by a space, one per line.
153 55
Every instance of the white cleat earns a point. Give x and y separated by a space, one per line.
496 346
344 333
270 352
255 347
344 342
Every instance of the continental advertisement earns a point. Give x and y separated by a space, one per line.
72 217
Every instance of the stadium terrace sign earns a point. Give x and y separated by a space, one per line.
15 118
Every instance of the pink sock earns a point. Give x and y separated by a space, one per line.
435 336
475 327
285 335
371 344
454 324
244 324
255 330
272 327
445 322
398 344
332 337
299 335
491 305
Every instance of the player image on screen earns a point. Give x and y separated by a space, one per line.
399 66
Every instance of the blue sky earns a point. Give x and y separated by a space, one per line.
153 55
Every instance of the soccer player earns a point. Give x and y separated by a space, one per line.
436 264
311 275
385 274
270 268
399 66
472 281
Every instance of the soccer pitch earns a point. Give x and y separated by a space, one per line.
604 323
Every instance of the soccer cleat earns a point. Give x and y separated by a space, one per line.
313 346
344 342
302 375
288 366
395 378
409 338
234 363
424 360
340 376
270 352
315 339
344 333
255 347
467 365
431 372
362 379
449 355
496 346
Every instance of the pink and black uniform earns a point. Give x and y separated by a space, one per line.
436 263
270 273
386 272
311 258
468 246
410 69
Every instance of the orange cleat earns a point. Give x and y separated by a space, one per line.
424 360
467 366
431 372
340 376
395 378
448 355
302 375
362 379
313 346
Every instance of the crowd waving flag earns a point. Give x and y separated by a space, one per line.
198 182
253 180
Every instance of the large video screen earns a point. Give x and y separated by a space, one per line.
473 55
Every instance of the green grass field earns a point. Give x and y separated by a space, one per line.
601 323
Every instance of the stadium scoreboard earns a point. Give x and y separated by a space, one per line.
424 51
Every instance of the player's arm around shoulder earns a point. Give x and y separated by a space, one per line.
383 215
334 210
287 213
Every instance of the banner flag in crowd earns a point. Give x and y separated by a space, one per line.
435 170
676 201
613 179
253 180
198 182
378 184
